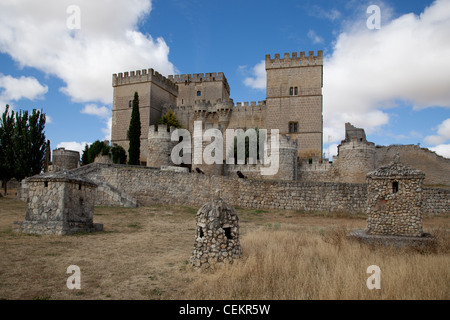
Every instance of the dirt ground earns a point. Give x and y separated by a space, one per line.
143 253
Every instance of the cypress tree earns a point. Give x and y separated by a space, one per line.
134 133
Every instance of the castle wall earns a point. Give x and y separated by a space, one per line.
248 115
212 86
152 186
317 171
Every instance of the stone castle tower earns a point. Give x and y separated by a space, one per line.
294 100
293 105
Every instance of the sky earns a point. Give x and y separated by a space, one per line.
386 63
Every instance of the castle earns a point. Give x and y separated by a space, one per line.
293 104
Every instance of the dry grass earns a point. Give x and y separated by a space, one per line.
143 253
291 265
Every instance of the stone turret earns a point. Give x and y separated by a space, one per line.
159 146
394 200
217 234
356 156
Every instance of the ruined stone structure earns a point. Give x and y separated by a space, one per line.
64 160
356 157
59 203
217 235
394 200
293 104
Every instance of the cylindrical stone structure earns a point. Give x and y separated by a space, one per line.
217 236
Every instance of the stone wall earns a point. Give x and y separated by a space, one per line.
435 201
152 186
65 159
59 203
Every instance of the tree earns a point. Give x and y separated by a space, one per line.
134 133
91 152
170 119
30 143
23 144
119 155
7 127
37 142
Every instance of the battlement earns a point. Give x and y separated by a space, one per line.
294 61
160 132
200 77
253 105
144 75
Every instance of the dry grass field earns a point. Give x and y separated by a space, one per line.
143 253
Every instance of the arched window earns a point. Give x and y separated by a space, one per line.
291 91
199 93
296 91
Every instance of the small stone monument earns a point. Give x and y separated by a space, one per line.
217 237
59 203
394 206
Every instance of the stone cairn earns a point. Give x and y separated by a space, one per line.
59 203
394 206
217 237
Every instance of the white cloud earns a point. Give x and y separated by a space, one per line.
48 119
107 131
369 70
443 134
93 109
321 13
257 78
19 88
35 34
442 149
73 145
314 37
104 114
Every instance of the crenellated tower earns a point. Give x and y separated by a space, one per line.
294 100
155 92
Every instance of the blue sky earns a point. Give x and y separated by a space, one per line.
393 81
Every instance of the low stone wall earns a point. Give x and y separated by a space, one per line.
150 186
435 201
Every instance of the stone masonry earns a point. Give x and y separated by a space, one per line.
59 203
394 201
293 105
217 235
